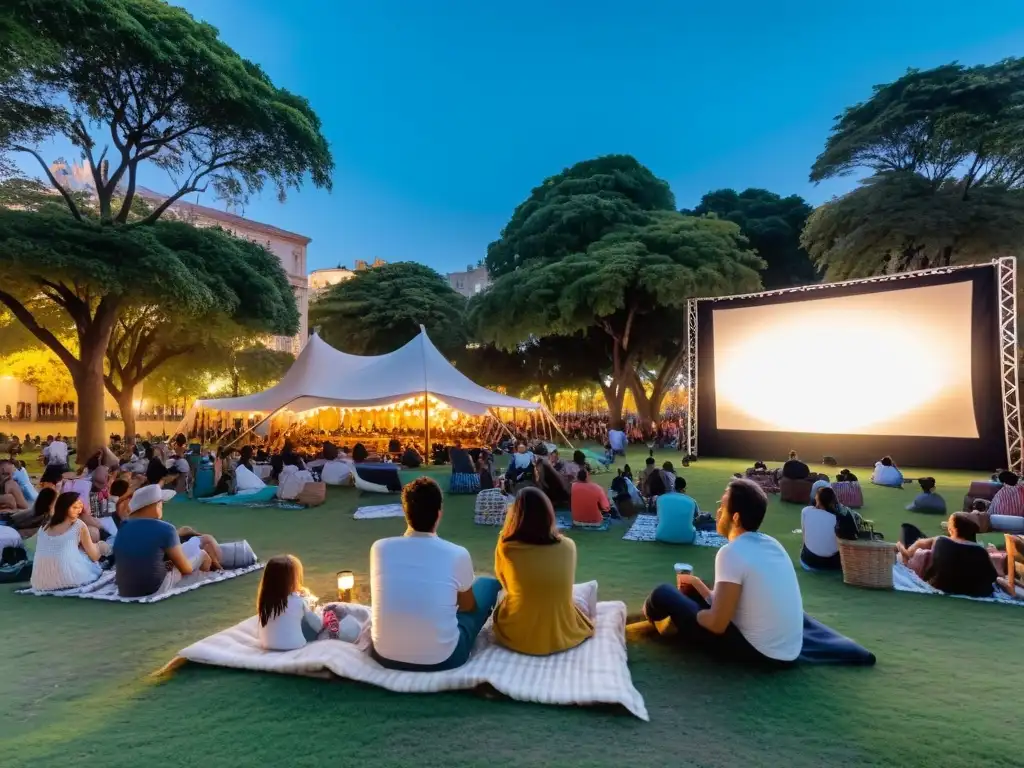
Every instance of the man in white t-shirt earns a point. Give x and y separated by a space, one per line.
56 453
755 612
427 607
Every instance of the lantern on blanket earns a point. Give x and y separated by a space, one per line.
346 581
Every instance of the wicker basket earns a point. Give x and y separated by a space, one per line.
867 563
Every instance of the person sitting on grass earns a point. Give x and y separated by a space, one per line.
427 607
794 469
822 525
27 523
589 502
927 500
520 466
66 555
286 619
965 568
1009 499
536 567
755 612
676 514
821 482
11 497
668 473
147 550
550 480
887 473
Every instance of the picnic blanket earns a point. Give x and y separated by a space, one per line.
645 526
905 580
595 672
264 498
105 588
565 523
379 510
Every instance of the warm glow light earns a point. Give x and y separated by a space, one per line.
346 580
892 363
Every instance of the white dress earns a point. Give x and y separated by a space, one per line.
59 563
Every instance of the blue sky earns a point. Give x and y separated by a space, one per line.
443 115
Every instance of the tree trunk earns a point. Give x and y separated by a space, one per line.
89 387
124 402
614 394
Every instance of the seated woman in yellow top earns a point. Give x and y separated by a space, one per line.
536 566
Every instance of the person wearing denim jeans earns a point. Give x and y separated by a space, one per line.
427 606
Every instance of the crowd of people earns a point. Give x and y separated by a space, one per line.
429 607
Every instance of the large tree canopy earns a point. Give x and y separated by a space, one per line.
772 225
945 152
130 82
627 280
576 207
382 308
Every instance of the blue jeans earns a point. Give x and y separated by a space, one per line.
485 592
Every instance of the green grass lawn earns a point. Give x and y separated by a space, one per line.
74 673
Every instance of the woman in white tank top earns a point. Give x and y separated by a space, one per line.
65 553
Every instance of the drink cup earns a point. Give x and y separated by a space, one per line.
683 568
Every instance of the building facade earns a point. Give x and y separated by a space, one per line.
289 247
470 282
322 279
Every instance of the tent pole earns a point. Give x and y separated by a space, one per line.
504 426
558 428
426 429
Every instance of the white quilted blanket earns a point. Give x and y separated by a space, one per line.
593 673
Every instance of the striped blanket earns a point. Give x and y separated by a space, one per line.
593 673
104 588
378 511
905 580
645 526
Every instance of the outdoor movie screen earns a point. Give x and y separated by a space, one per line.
893 362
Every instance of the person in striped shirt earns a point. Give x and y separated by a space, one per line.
1009 500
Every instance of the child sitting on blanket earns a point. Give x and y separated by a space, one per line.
287 620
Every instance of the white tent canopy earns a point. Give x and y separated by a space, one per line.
325 377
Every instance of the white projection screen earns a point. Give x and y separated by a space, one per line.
908 367
915 380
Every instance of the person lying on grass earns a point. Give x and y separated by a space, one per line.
427 607
755 613
536 566
958 563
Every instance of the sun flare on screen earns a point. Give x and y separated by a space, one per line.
889 363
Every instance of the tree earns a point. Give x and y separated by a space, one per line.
575 208
380 309
945 150
165 91
772 225
626 287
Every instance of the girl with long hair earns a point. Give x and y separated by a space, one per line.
65 553
536 566
283 606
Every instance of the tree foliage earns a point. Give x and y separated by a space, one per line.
130 82
945 152
40 368
575 208
382 308
626 277
772 225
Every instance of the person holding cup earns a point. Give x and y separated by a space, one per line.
755 611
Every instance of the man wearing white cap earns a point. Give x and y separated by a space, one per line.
148 555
